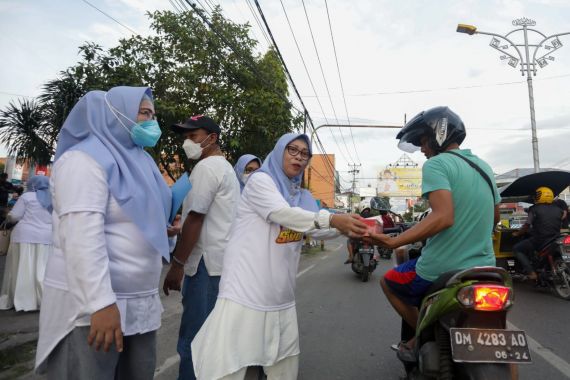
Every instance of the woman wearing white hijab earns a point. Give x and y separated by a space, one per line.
110 206
30 246
254 322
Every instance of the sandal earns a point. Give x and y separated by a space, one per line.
405 353
348 261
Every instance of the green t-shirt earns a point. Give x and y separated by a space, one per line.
468 243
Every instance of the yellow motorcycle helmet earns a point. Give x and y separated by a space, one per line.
543 195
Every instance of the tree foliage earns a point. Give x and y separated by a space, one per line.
192 69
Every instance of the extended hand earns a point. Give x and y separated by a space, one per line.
106 328
173 279
173 230
349 225
381 240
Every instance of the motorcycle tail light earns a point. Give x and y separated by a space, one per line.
566 240
485 297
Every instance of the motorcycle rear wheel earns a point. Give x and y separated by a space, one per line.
561 280
365 274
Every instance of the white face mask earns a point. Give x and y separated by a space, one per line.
194 150
245 177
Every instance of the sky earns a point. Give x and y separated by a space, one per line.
396 59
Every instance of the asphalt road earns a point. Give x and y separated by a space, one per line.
346 326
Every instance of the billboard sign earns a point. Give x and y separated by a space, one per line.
400 182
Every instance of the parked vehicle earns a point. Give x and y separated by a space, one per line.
552 260
461 331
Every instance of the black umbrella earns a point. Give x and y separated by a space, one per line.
557 180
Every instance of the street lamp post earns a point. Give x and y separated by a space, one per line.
528 64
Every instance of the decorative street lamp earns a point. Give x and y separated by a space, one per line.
528 63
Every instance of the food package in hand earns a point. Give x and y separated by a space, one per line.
374 226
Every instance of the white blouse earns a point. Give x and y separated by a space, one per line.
34 221
100 257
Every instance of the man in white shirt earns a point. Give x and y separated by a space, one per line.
207 214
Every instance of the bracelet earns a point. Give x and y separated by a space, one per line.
330 220
177 261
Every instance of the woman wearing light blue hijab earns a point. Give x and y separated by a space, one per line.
254 322
110 206
245 166
29 249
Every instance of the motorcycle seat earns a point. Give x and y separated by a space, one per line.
442 281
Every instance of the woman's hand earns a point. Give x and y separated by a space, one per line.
173 230
106 329
349 225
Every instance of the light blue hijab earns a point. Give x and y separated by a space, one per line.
132 175
239 168
290 188
40 185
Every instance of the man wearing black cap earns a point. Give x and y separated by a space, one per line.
207 214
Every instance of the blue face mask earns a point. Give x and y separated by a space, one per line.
146 133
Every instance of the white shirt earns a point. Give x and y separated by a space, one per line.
215 193
262 257
34 221
100 257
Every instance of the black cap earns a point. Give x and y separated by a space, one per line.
197 122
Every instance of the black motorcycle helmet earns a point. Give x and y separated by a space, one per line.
441 125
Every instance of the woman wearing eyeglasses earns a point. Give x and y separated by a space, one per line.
254 322
245 166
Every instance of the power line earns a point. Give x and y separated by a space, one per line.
263 32
174 6
340 80
450 88
290 79
309 77
323 74
111 17
12 94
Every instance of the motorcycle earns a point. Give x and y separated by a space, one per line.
461 331
552 265
364 261
552 260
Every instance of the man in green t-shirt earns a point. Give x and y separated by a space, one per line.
464 211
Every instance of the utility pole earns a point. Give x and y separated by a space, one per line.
354 171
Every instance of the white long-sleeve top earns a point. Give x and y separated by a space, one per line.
262 256
34 221
100 257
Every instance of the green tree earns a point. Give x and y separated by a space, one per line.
23 130
192 69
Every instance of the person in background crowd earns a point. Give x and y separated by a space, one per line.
101 307
30 247
564 207
207 215
254 322
365 213
543 222
14 197
246 164
5 189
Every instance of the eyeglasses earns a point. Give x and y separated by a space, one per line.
294 151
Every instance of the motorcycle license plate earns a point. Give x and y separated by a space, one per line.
489 346
566 257
367 250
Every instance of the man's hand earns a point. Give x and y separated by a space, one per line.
349 225
106 329
173 279
173 230
381 240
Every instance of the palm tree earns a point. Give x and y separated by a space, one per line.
25 132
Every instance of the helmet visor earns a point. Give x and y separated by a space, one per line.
410 141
